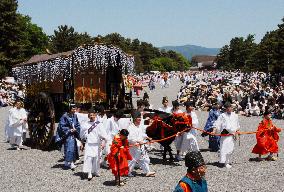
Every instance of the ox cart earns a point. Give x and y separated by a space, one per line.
89 75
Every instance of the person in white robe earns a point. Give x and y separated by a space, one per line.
179 138
82 118
227 123
94 134
139 154
17 125
165 108
176 107
101 115
187 141
7 127
112 128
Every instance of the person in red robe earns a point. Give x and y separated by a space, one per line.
267 138
119 156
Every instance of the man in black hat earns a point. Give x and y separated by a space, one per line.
138 152
176 106
227 123
194 179
165 107
69 129
187 141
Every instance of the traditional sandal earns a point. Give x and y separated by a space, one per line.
271 158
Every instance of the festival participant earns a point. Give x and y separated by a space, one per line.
191 135
82 118
179 137
137 87
112 128
7 127
94 133
119 156
214 141
176 107
17 125
165 107
194 180
187 141
101 114
146 101
68 131
227 123
151 84
267 138
138 152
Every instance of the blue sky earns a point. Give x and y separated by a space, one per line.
210 23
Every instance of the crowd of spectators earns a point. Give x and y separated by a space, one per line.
251 94
10 92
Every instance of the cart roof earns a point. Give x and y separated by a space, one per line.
47 67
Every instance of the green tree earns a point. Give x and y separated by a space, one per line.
163 64
64 39
32 38
237 55
9 33
67 39
19 37
223 61
84 38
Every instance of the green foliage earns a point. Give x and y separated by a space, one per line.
246 55
3 71
147 57
67 39
33 39
19 38
9 33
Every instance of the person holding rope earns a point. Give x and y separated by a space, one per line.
267 138
227 124
214 141
119 156
191 136
187 141
137 150
194 179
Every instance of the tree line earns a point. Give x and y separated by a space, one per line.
245 54
20 39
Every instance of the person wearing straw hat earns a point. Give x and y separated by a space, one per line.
194 179
267 137
227 123
138 152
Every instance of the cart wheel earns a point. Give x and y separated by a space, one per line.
41 121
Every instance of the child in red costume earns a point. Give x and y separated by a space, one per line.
267 138
119 156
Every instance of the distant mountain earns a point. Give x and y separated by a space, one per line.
190 50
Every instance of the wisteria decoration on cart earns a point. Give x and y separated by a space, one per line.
97 56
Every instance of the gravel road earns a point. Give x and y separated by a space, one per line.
36 170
